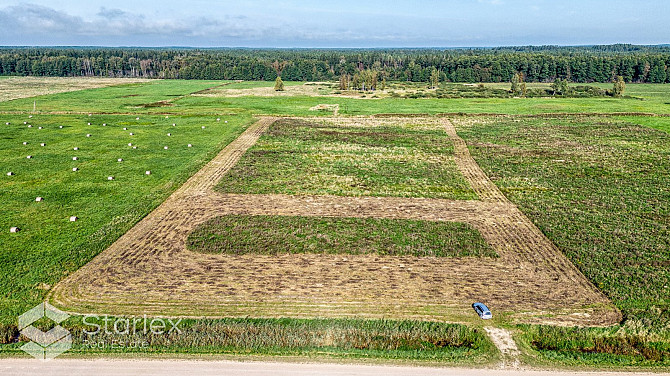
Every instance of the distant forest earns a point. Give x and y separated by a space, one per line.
537 64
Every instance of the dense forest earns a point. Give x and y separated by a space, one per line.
536 63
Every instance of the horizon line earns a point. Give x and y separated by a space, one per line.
344 48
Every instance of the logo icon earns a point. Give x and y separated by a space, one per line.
45 345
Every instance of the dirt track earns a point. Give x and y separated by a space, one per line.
149 270
144 367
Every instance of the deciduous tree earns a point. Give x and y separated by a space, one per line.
619 87
518 86
279 84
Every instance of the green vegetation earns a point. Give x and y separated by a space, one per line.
159 97
537 64
331 338
518 86
619 87
314 157
596 185
235 234
597 346
133 98
569 176
279 84
300 105
49 246
599 189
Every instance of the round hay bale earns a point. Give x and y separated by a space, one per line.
104 124
25 122
75 169
226 121
120 160
73 219
132 134
29 157
30 116
130 144
134 147
89 114
43 144
39 199
174 125
203 127
89 123
75 158
39 127
125 128
147 172
76 148
137 118
25 143
189 145
14 229
169 134
61 127
88 135
217 119
10 173
165 147
7 123
30 125
110 178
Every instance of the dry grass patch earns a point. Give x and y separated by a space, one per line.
25 87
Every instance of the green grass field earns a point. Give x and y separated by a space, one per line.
596 186
273 234
570 176
49 246
307 157
599 189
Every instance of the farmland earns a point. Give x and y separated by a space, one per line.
373 159
49 246
366 285
523 200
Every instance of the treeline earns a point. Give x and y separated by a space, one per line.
536 63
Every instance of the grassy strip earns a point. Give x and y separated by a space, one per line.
338 338
310 157
240 234
597 346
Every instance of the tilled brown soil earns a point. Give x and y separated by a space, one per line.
150 271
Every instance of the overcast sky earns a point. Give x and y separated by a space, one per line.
348 23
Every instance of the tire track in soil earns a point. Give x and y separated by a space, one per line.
149 269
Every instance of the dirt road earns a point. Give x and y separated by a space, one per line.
102 367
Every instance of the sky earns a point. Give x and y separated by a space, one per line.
332 24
